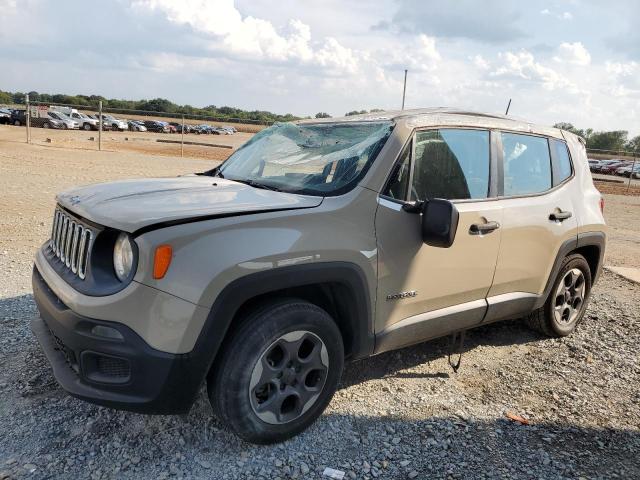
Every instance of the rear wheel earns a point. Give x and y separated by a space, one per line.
86 126
278 371
567 302
17 123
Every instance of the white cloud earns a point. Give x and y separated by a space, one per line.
573 53
255 38
623 79
523 65
480 62
559 16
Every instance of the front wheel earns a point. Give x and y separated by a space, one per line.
278 371
87 126
567 302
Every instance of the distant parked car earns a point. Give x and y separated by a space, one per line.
228 129
114 123
207 129
156 126
627 170
178 127
169 128
86 122
5 116
51 123
136 126
593 165
67 122
604 163
612 167
18 118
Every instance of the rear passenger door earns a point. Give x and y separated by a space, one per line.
538 215
426 291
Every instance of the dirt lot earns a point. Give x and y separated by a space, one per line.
138 142
398 415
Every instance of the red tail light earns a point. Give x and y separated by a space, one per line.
601 205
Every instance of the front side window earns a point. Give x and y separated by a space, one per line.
452 164
527 164
399 180
312 159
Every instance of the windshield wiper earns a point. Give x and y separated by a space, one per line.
214 172
254 184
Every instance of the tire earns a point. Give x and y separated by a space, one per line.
565 306
46 125
270 404
64 126
17 123
86 126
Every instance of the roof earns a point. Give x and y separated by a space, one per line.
439 116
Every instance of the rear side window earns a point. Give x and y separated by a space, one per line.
452 164
561 161
527 164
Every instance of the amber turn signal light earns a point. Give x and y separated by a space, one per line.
161 261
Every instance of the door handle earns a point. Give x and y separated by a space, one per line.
482 228
559 216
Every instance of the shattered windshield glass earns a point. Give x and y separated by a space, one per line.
312 159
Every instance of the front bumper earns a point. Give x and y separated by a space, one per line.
122 373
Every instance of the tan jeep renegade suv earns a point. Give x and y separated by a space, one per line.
314 243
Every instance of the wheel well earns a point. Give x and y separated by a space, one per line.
333 297
591 253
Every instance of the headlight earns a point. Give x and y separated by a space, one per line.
123 257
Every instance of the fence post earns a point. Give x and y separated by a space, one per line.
100 125
27 116
632 173
182 138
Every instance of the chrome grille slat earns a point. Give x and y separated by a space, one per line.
63 238
58 233
71 226
71 242
74 248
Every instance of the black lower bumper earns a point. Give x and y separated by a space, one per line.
119 370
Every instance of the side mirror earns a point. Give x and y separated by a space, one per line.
439 223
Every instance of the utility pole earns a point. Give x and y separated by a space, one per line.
27 116
404 89
100 125
182 138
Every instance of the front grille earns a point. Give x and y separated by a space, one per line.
71 242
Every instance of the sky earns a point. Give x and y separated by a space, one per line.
576 61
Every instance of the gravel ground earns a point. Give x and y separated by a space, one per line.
401 415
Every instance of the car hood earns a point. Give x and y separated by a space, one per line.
131 205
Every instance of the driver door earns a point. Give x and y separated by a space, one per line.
423 291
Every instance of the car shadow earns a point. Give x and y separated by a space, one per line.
396 362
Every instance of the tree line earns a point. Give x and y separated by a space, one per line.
155 105
614 140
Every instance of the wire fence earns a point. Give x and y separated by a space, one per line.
119 129
621 163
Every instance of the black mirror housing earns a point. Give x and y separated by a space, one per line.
439 223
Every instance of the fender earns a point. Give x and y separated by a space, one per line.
585 239
236 293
